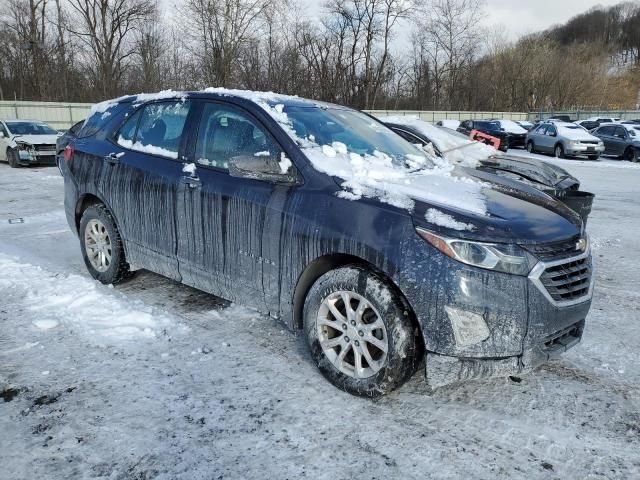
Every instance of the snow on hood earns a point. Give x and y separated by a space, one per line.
511 127
37 139
454 147
575 133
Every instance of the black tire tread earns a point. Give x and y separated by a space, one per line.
405 344
122 271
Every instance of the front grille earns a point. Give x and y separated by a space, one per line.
565 338
555 250
589 142
45 148
568 281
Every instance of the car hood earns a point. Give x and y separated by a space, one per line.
530 169
576 134
36 139
516 213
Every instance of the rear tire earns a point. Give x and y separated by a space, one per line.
351 316
13 158
102 248
531 147
559 151
630 154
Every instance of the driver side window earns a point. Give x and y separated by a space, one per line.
226 132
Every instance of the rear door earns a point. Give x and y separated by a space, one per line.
140 181
226 240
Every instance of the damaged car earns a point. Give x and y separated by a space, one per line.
457 148
386 257
27 142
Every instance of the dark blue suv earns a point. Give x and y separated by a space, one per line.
323 217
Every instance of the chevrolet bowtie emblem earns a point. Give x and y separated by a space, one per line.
581 244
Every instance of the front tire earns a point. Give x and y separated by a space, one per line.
13 158
559 151
360 332
102 248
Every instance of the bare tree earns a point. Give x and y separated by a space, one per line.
106 27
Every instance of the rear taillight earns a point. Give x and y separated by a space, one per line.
68 153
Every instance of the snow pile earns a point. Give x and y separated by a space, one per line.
455 147
444 220
78 303
151 149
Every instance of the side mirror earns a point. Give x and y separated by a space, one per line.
265 168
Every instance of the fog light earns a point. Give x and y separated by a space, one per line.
468 327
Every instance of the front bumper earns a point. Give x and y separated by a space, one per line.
583 149
444 370
481 323
35 157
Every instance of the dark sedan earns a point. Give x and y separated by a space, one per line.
620 140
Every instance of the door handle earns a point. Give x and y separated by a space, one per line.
112 159
193 182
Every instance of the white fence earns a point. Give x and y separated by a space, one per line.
59 115
62 115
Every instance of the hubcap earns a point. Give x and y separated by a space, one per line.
558 152
97 244
343 317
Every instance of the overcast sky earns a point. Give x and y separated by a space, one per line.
512 17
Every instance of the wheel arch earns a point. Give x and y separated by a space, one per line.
326 263
85 201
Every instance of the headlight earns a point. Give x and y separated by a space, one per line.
501 257
24 146
575 142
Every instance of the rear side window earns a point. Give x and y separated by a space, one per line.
156 129
99 118
226 132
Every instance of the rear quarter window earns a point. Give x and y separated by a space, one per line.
98 119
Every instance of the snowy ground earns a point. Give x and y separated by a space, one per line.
152 379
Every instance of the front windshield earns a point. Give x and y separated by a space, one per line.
30 128
358 132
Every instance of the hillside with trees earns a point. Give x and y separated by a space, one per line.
374 54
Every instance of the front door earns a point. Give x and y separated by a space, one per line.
228 227
140 182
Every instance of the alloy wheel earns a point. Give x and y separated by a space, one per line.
352 334
97 244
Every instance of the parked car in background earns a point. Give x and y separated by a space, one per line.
563 140
487 127
525 124
621 140
450 124
335 224
601 120
588 125
27 142
516 132
562 118
460 150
